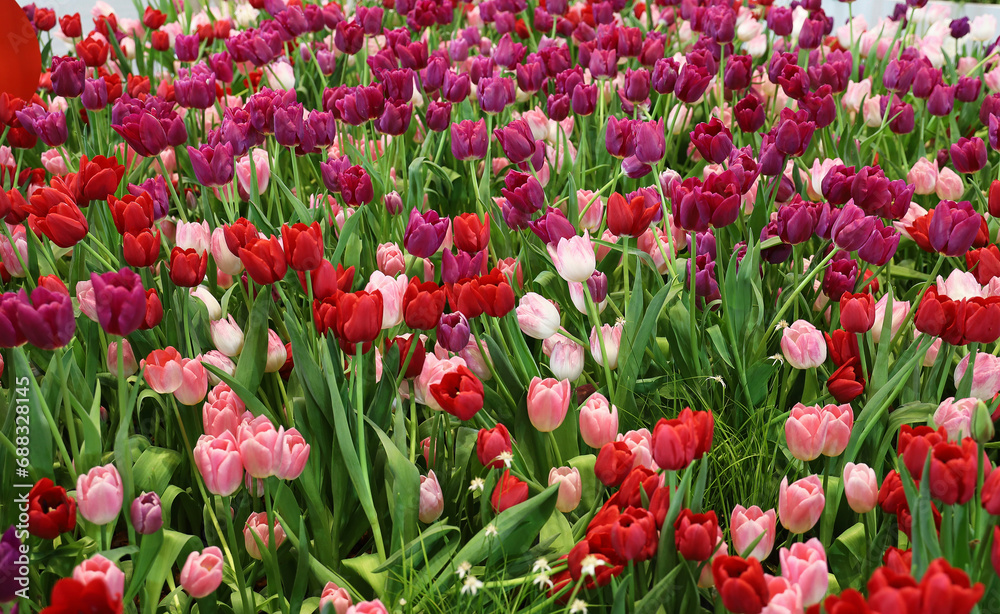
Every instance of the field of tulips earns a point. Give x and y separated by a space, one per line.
499 306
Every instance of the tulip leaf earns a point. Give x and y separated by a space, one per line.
657 596
23 384
250 367
175 547
154 468
405 489
628 369
343 238
250 399
300 209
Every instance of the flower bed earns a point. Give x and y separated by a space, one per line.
500 306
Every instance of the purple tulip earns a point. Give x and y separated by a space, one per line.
853 228
453 331
514 217
68 76
331 171
213 166
120 300
12 561
953 227
619 137
749 114
370 19
523 192
146 513
558 106
968 155
712 140
95 94
194 88
899 75
597 284
469 140
665 75
584 99
424 233
349 37
552 226
796 222
530 76
439 116
395 119
967 89
222 65
793 134
462 266
870 190
637 84
186 47
10 327
820 107
779 20
517 141
456 87
881 245
841 275
692 81
959 27
495 93
148 126
47 321
833 69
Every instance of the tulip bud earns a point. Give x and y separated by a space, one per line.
336 597
202 572
981 427
746 525
101 569
548 402
128 358
146 513
537 316
258 523
276 353
227 336
801 503
598 421
431 498
570 487
612 336
99 494
861 487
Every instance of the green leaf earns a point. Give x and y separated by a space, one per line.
405 489
658 596
628 368
250 368
155 467
345 234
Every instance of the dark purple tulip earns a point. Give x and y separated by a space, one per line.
739 69
156 188
552 226
148 126
568 80
495 93
95 94
514 217
597 284
652 49
424 233
870 190
705 244
990 106
288 124
841 275
584 99
777 63
926 80
604 64
49 127
395 120
10 327
772 161
558 106
349 37
213 166
692 81
901 194
778 253
146 513
819 107
825 220
706 287
326 60
556 59
433 75
994 132
531 76
186 47
120 300
523 192
881 245
557 7
953 227
968 155
833 69
720 23
712 140
47 321
959 27
438 115
356 186
967 89
793 134
650 142
852 228
462 266
393 203
481 66
811 34
68 76
665 75
469 140
222 65
456 87
371 19
323 125
195 88
12 561
360 105
397 85
794 81
796 222
619 137
838 184
779 20
453 331
332 170
899 75
634 168
749 114
941 101
507 53
517 141
636 85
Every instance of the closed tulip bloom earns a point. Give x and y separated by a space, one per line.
746 525
598 421
740 582
187 267
804 565
861 487
509 491
97 568
631 218
202 572
257 524
968 155
805 431
46 321
696 534
803 345
470 234
392 291
612 336
924 176
264 260
537 316
336 597
956 416
261 446
953 227
570 487
163 370
425 232
227 336
99 494
431 498
857 312
899 311
491 444
548 402
303 246
838 434
147 513
128 359
801 503
389 259
565 357
458 392
194 382
949 185
985 375
226 259
218 461
574 257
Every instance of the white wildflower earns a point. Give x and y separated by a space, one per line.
477 484
579 606
471 586
463 568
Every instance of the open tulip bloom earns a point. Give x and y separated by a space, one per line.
500 306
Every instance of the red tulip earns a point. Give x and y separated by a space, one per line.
132 213
93 595
857 312
50 510
459 392
846 383
740 583
696 534
614 462
675 443
187 267
98 178
327 280
53 212
303 246
263 259
154 310
141 248
631 218
634 535
470 234
491 443
359 317
423 304
404 343
508 492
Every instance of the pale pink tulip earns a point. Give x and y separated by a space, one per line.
746 525
574 257
570 487
202 572
861 487
801 503
804 564
431 498
955 416
258 524
598 421
99 494
803 345
548 402
537 316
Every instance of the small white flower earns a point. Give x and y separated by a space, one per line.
477 484
471 586
463 568
589 565
579 606
542 581
491 530
783 324
777 359
718 379
402 602
506 457
541 566
620 320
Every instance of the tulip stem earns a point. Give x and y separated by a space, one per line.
625 270
794 295
272 547
592 311
693 304
64 388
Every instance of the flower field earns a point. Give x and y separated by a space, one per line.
499 306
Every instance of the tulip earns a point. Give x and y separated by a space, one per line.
804 565
747 525
163 370
294 455
194 382
956 416
537 316
99 494
985 375
800 504
509 491
459 392
968 154
840 421
806 431
389 259
202 572
924 176
261 446
97 568
570 487
614 463
857 312
218 461
695 534
334 596
803 346
899 311
146 513
303 246
470 234
548 402
574 257
50 510
674 443
949 185
612 337
187 267
425 233
491 444
245 169
264 260
227 336
861 487
431 498
565 357
212 305
256 528
46 321
953 227
128 359
740 582
392 291
598 421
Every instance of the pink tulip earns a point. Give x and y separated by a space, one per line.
955 416
202 572
9 252
261 446
390 259
576 295
392 290
705 578
746 525
431 498
803 345
221 362
949 185
194 382
985 375
805 431
163 371
86 298
548 402
565 357
924 176
374 606
227 261
276 353
293 456
612 341
788 601
218 462
640 444
591 208
804 564
574 257
338 598
856 94
861 487
128 358
598 421
99 494
227 336
899 311
537 316
99 568
838 434
570 487
931 356
434 369
211 303
244 173
801 503
258 524
222 391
